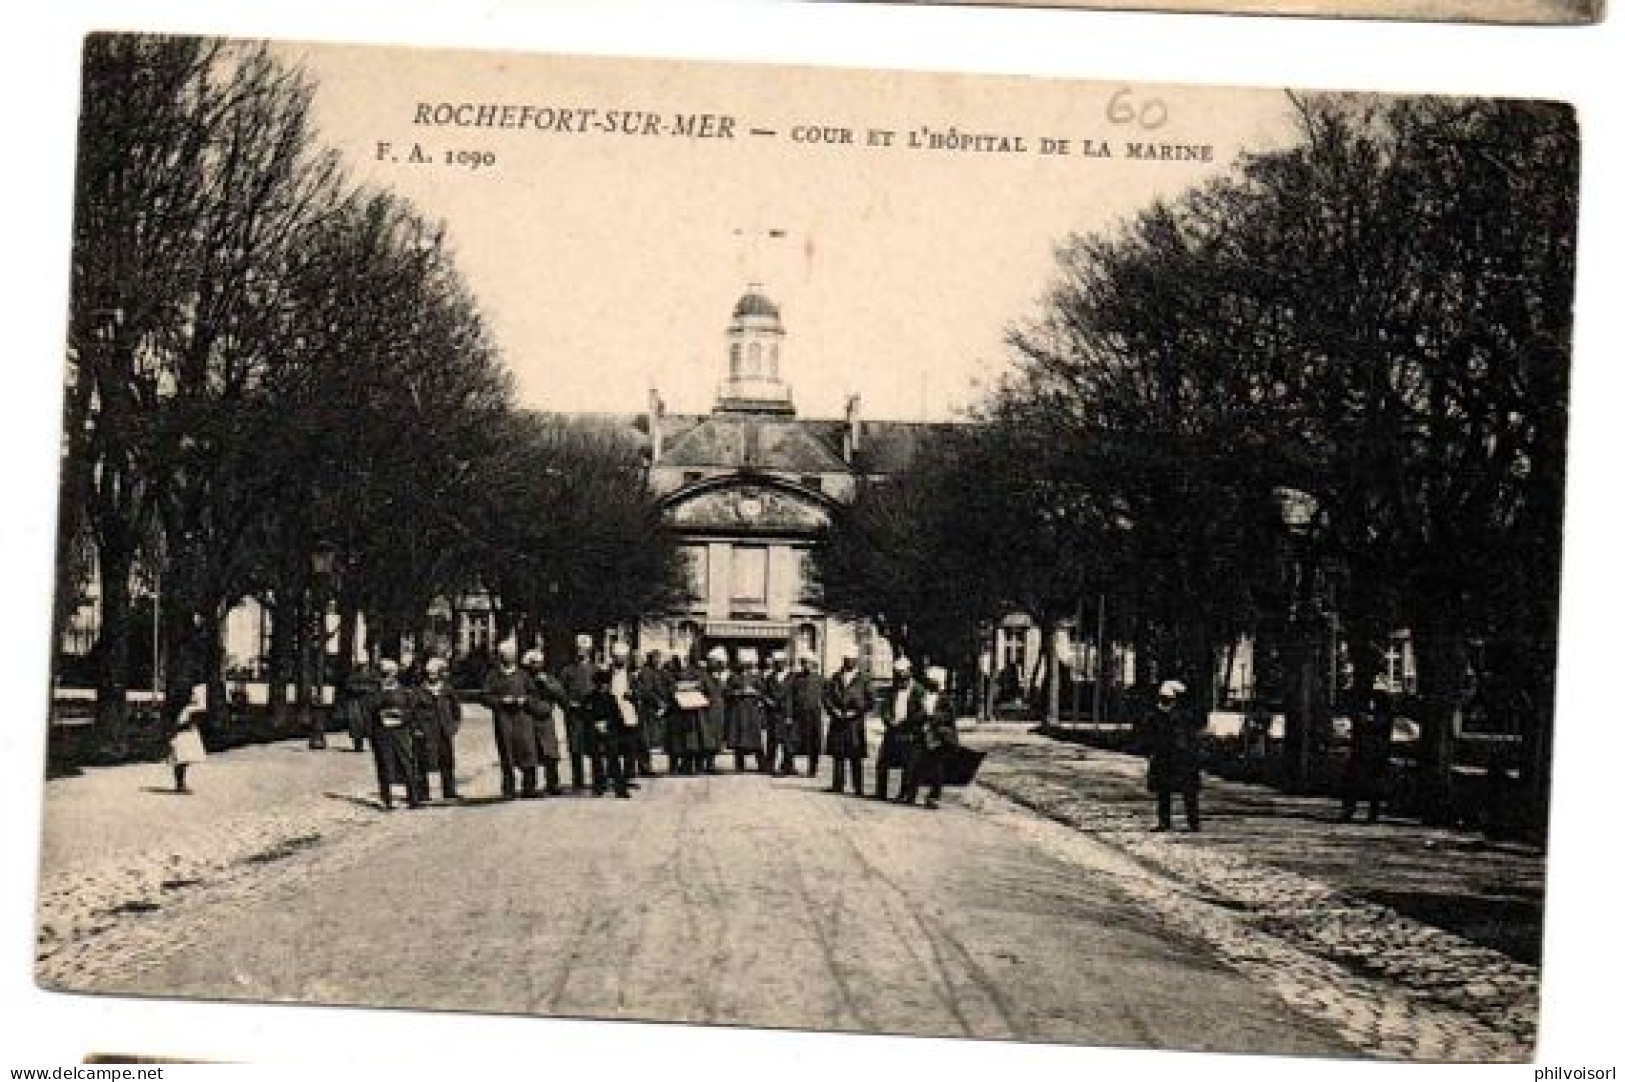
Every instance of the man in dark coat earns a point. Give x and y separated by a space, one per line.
848 699
689 705
606 735
549 697
1174 732
577 679
781 726
806 687
1371 741
903 716
652 696
713 720
747 709
440 715
392 719
508 692
939 731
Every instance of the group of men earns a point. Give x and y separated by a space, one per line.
605 721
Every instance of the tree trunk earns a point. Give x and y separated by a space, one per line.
302 655
503 624
113 646
282 617
559 644
1301 670
349 621
1441 670
1052 673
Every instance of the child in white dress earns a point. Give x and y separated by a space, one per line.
185 743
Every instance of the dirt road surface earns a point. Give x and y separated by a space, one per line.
738 899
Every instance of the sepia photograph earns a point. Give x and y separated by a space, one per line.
808 548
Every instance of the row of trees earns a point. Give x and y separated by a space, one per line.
280 387
1334 380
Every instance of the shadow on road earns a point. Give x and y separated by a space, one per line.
351 798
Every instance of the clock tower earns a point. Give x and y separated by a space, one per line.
754 381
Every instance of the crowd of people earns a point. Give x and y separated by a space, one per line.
606 722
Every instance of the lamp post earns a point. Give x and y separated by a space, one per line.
322 560
1300 514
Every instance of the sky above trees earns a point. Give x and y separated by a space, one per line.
609 264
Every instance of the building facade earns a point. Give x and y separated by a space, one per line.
751 487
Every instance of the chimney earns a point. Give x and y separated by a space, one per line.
854 427
657 413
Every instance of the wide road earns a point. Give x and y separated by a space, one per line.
734 899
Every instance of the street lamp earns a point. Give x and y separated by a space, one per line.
1300 515
323 558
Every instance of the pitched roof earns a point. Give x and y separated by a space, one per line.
889 446
738 441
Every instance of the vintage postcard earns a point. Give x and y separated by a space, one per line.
1517 12
830 549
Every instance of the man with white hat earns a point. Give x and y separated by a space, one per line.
714 718
578 685
848 699
391 732
629 747
440 715
507 694
939 732
546 709
1175 761
807 709
903 716
746 733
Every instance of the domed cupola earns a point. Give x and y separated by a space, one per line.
754 381
755 305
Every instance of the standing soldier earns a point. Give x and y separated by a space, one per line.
606 735
904 719
781 724
939 733
1175 764
713 721
546 702
629 729
746 710
578 684
391 731
440 715
849 701
508 692
807 711
653 697
689 705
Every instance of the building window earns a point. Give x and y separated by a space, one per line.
733 360
749 575
699 569
754 367
685 638
773 360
